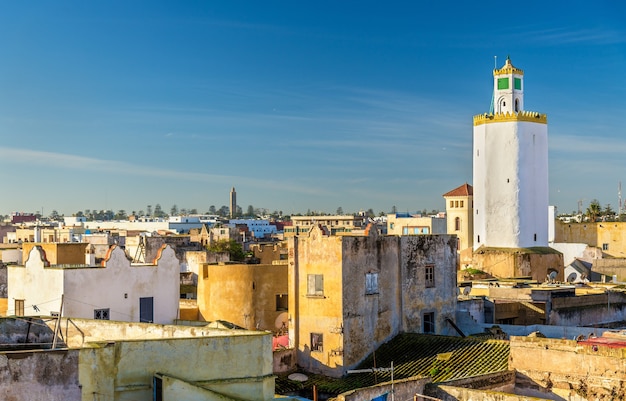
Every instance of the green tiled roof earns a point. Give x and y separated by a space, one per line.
440 357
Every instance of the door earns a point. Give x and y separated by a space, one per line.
146 311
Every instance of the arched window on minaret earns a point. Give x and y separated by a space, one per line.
457 224
517 105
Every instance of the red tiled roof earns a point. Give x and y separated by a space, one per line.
464 190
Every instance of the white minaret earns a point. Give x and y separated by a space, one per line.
510 168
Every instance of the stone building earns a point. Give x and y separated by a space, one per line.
407 224
350 294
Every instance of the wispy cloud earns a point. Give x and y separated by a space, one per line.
569 36
13 156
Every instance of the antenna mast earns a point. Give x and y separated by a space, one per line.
619 199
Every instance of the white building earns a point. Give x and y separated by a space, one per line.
259 228
510 168
116 290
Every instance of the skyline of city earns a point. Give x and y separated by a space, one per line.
118 106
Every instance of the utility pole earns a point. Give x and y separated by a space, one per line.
373 370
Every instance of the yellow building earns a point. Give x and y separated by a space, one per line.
336 225
610 236
350 294
460 214
252 296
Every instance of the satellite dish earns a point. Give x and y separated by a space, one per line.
571 278
553 275
282 321
467 291
298 377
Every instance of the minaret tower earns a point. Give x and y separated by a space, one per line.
510 168
233 203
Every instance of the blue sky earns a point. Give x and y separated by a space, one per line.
319 105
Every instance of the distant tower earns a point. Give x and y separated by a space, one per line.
233 202
510 168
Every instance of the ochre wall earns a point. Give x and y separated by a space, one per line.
58 253
570 368
243 294
613 234
523 262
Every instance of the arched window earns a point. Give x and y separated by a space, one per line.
517 105
457 224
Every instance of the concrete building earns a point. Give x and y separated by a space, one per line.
115 290
350 294
100 360
336 225
408 224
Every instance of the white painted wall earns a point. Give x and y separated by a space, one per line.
510 184
117 286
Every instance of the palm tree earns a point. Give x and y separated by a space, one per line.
594 210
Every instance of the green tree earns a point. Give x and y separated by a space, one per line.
394 210
608 210
54 215
250 212
149 210
594 210
174 210
158 211
212 209
120 215
234 249
340 211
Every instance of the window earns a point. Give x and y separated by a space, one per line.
429 275
428 320
503 83
605 247
282 302
101 314
451 204
371 283
517 83
317 342
19 307
456 203
461 203
315 285
457 224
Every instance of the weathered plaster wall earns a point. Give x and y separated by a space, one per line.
369 320
403 389
588 310
285 360
506 263
418 252
237 366
352 322
612 233
40 376
255 286
569 368
314 253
